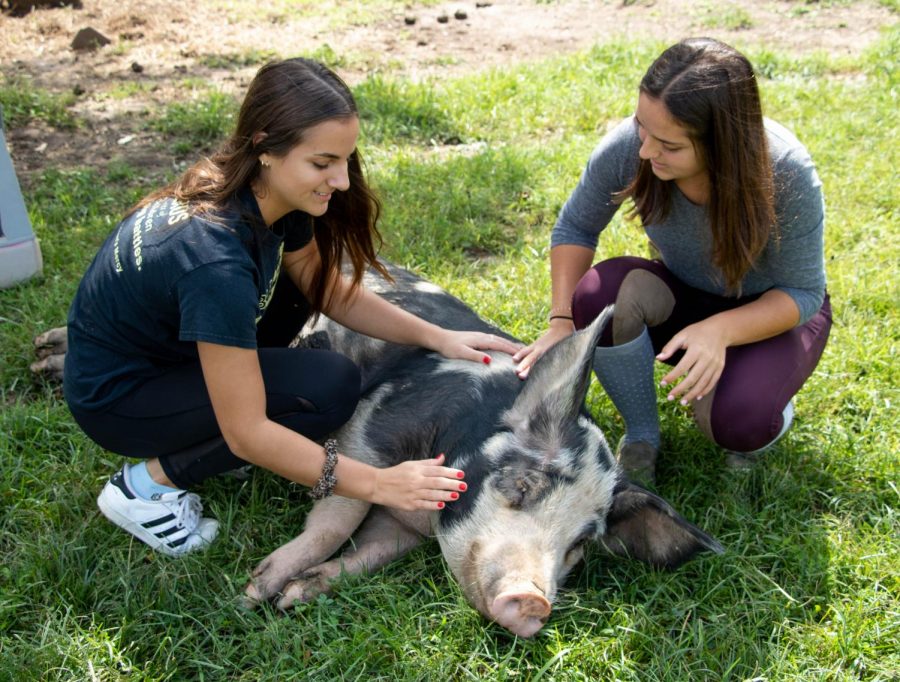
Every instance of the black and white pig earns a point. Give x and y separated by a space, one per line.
542 481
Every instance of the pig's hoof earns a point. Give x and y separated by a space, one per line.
252 597
50 367
51 342
267 579
302 590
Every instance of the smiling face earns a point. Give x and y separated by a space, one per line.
672 154
307 176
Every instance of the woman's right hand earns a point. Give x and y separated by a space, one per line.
526 357
418 484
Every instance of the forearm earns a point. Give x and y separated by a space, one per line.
568 263
771 314
367 313
297 458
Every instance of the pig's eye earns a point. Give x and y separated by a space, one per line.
574 552
586 534
577 545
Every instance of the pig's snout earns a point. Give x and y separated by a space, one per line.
523 612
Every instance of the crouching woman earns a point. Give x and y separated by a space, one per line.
736 300
179 331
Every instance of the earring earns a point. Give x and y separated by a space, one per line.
264 164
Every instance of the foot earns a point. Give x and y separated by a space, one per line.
170 523
638 460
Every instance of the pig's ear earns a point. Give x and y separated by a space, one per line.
643 526
559 381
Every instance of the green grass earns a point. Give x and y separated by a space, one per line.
473 172
22 103
731 17
199 122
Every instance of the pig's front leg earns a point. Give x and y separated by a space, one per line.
329 525
381 539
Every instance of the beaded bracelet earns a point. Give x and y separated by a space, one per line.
325 485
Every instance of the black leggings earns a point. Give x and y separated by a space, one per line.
312 392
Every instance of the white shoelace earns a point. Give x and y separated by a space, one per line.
188 514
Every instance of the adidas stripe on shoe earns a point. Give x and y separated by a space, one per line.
170 522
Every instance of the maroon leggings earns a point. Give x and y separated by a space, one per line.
758 379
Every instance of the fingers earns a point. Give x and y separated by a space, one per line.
494 342
473 341
527 362
678 370
523 352
699 379
675 344
437 485
529 355
442 478
474 355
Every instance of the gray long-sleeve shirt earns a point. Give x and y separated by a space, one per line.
793 263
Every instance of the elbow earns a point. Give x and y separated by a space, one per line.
238 446
804 303
240 441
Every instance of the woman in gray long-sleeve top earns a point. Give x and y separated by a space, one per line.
735 301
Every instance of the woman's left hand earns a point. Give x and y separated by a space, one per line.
466 345
704 345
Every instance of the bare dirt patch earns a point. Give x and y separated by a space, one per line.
159 46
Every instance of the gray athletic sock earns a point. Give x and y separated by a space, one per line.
626 374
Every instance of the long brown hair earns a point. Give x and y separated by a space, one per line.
283 101
711 90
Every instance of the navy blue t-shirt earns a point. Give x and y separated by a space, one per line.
164 280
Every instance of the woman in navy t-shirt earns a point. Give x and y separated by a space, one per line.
178 333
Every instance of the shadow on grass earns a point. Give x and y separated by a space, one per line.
726 613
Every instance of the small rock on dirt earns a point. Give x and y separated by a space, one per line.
460 14
89 39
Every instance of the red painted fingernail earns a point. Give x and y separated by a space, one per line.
440 505
459 474
486 359
463 487
454 496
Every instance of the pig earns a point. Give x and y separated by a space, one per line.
542 481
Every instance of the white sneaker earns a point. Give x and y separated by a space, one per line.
170 522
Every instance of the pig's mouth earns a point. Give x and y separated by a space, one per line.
521 611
